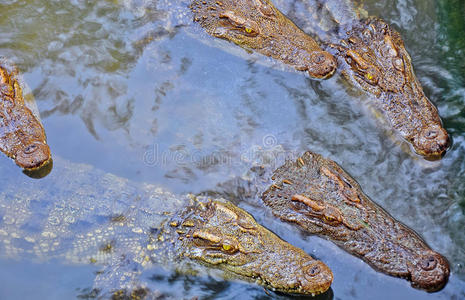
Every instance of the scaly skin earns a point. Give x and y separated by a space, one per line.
373 57
319 197
257 25
229 238
22 136
82 215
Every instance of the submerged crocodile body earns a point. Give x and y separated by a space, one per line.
318 196
259 26
88 216
22 136
372 56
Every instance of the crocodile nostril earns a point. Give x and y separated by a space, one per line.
318 58
313 271
428 263
432 141
431 134
33 156
30 149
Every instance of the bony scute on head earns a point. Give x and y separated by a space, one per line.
373 57
259 26
230 239
319 202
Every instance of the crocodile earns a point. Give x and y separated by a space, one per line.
372 57
82 215
22 136
369 52
267 31
318 196
257 25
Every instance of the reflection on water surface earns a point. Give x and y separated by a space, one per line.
121 88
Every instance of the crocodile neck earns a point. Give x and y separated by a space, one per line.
84 215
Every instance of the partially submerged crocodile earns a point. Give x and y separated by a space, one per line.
83 215
372 56
318 196
259 26
22 136
356 224
253 24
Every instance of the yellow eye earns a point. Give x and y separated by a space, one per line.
369 76
330 218
227 247
248 30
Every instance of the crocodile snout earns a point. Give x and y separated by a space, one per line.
322 65
316 278
432 142
430 272
33 156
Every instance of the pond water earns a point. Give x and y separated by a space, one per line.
121 89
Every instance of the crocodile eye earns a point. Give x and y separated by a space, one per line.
332 216
240 24
229 246
330 219
371 78
250 31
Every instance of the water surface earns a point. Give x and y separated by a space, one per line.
121 89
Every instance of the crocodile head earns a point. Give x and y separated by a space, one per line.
318 196
225 236
22 136
376 60
257 25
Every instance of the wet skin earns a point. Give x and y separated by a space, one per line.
22 136
373 57
319 197
88 216
227 237
258 26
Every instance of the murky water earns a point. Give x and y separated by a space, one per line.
121 89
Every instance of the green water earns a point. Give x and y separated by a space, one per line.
120 89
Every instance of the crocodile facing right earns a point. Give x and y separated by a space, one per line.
81 215
318 196
259 26
372 56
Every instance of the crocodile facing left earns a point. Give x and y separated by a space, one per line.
88 216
